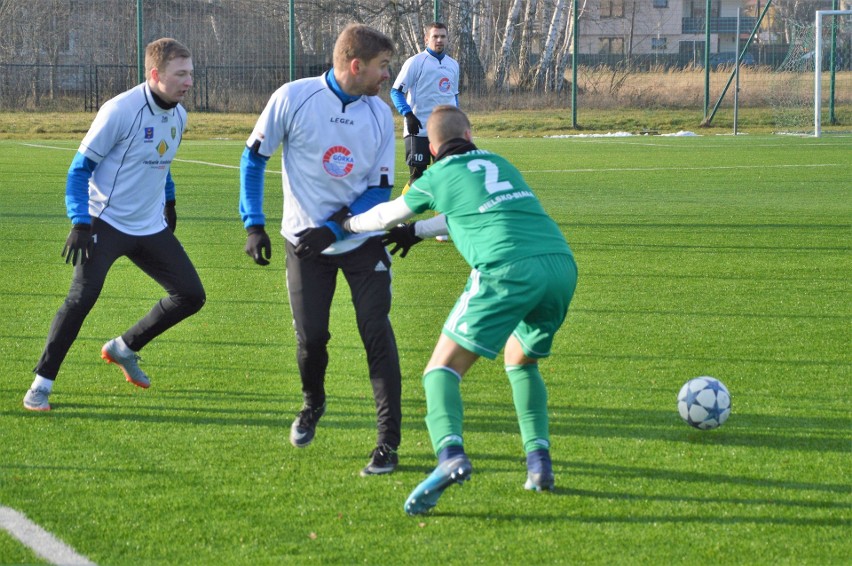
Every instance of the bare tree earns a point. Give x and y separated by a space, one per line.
567 48
469 61
527 33
545 67
504 61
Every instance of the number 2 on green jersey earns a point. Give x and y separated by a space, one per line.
492 185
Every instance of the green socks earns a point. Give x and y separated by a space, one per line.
443 408
530 396
444 411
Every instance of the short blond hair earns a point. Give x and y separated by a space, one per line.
358 41
447 122
159 52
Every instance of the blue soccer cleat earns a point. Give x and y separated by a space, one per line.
425 496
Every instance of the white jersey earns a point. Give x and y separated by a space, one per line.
332 152
427 82
133 141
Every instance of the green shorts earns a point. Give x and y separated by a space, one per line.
528 299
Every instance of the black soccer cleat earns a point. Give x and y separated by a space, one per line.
304 427
383 460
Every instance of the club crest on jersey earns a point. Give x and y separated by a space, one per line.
444 84
149 134
338 161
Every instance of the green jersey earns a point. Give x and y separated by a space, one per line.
492 214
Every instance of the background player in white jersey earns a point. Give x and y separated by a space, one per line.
120 198
338 156
516 298
425 81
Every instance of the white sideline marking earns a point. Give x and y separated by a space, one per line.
589 170
224 166
44 544
702 168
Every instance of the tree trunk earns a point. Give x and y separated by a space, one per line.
508 39
546 65
524 76
469 63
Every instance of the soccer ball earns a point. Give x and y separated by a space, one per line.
704 402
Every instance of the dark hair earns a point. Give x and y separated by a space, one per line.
358 41
434 25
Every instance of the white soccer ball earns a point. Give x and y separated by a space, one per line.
704 402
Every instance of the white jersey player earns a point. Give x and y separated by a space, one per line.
426 80
120 197
338 156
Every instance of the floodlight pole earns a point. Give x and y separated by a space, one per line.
576 41
737 74
140 49
832 118
291 31
740 54
818 65
706 58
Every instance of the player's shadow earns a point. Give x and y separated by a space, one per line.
819 434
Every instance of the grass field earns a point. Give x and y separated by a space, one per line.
714 255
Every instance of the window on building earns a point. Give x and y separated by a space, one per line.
612 8
698 8
611 46
658 43
661 3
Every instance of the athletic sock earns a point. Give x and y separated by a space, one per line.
530 396
450 452
443 408
42 383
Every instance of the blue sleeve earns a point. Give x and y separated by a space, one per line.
252 169
370 198
457 101
77 189
170 187
399 101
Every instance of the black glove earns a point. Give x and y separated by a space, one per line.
171 215
312 241
402 237
413 123
340 215
258 245
79 245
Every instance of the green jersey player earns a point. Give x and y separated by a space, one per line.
516 297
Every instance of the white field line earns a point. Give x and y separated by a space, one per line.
703 168
44 544
589 170
223 165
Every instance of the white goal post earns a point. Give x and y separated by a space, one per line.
818 64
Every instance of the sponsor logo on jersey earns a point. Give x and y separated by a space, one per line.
162 147
444 85
149 134
338 161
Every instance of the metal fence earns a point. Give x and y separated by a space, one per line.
74 55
